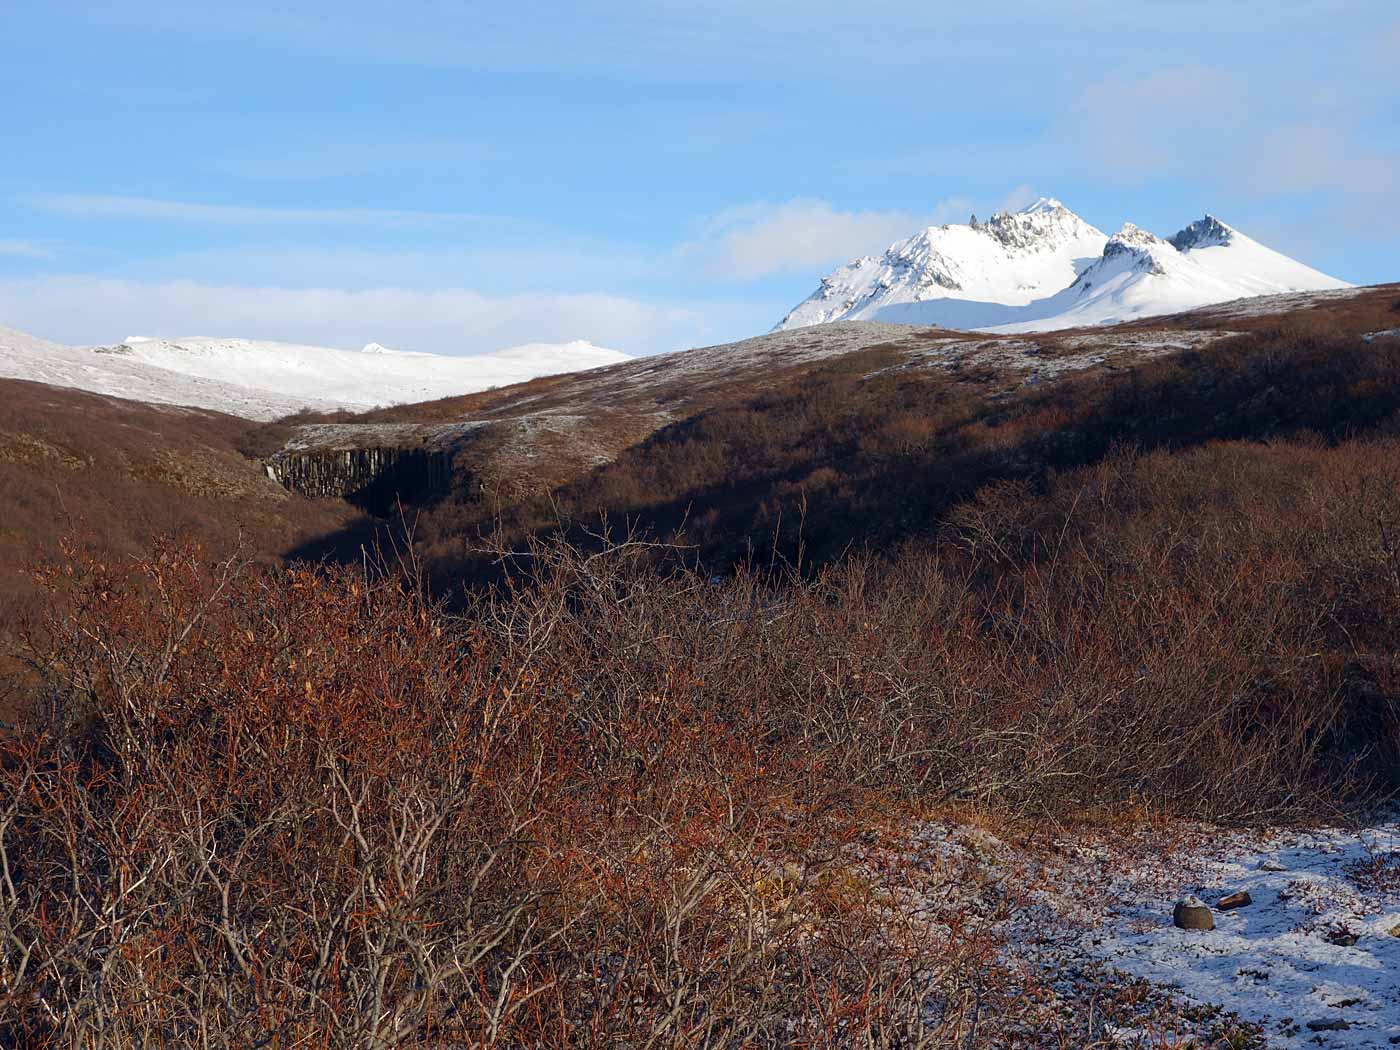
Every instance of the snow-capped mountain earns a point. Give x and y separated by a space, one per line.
263 380
1044 268
1014 258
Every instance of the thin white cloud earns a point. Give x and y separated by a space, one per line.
1018 198
1221 130
802 235
1160 124
273 159
491 265
91 310
24 249
760 239
103 206
1384 49
674 40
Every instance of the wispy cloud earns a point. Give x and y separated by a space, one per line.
1158 124
495 268
103 206
24 249
1017 198
1211 126
1384 48
757 240
356 156
677 40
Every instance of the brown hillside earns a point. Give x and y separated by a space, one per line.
115 473
859 433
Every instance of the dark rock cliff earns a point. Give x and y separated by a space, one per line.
372 478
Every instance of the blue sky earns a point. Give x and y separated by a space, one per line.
460 177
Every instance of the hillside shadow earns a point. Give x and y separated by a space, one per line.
788 471
348 544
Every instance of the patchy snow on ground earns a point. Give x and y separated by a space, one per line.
1313 961
1283 303
340 437
1315 958
1074 353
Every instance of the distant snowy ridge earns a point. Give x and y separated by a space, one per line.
258 379
1044 268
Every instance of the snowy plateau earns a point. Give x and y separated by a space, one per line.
263 380
1044 268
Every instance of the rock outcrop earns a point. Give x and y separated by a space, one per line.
374 466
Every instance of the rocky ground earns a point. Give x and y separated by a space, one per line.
1314 955
1304 951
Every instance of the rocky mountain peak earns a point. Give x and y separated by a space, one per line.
1046 222
1043 267
1203 233
1133 241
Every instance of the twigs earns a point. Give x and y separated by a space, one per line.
617 801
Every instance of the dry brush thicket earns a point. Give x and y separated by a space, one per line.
307 809
876 451
614 799
621 802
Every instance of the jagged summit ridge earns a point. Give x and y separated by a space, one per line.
1013 257
1131 237
1144 251
1044 267
1047 221
1203 233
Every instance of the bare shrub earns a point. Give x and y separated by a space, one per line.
618 800
306 807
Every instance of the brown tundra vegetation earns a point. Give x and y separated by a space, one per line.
865 450
643 794
616 801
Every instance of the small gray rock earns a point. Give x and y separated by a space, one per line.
1269 864
1336 1024
1191 914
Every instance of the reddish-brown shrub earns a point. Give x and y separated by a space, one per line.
612 800
306 808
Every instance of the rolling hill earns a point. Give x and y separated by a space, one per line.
259 379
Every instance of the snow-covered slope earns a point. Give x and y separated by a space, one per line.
1141 275
1007 284
952 271
1228 254
263 380
20 342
